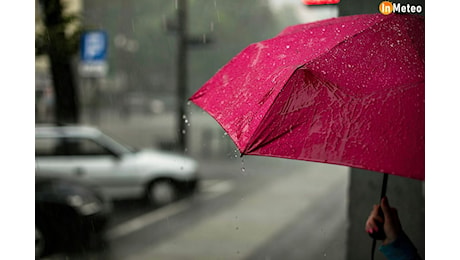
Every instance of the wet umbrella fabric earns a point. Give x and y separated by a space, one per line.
346 91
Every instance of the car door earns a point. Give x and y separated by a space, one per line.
87 159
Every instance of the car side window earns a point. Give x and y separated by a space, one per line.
83 147
69 147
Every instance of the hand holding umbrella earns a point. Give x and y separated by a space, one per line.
396 244
389 221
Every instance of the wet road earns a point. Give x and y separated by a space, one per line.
247 208
263 208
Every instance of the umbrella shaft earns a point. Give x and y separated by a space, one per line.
384 185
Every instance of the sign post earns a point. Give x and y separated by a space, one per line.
93 66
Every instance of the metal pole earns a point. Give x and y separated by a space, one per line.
182 71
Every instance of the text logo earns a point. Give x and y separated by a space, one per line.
387 7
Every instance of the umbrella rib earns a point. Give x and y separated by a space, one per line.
249 149
258 130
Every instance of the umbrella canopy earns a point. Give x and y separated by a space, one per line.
347 91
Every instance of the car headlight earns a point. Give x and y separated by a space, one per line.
86 205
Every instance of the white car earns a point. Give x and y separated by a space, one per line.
119 171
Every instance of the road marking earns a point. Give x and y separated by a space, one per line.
210 189
216 188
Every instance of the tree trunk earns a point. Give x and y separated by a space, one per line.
66 108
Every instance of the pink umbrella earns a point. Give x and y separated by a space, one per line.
346 91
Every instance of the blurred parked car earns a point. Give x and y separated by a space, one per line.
68 214
121 172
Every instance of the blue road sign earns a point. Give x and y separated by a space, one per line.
93 46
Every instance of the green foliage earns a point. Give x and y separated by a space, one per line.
63 28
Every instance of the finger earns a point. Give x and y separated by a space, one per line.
372 223
370 226
375 211
387 211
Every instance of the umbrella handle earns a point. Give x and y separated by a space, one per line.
380 234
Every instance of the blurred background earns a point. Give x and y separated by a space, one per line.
132 81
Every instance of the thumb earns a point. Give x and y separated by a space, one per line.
386 208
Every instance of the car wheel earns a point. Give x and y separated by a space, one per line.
161 192
40 243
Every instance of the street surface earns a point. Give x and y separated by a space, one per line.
246 208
